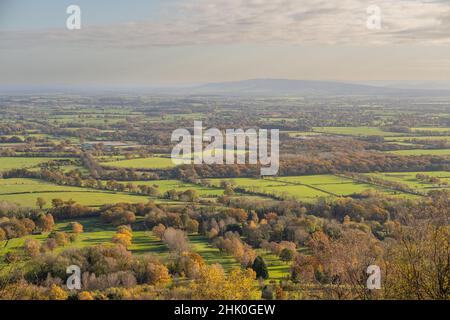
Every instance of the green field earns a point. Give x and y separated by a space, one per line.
95 233
142 163
278 270
430 129
166 185
422 152
26 191
418 138
409 178
356 131
333 184
8 163
210 254
305 188
144 242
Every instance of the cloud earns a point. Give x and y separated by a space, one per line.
263 22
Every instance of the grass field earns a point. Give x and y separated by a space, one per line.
430 129
305 188
166 185
418 138
335 185
278 270
142 163
8 163
144 242
422 152
409 178
210 254
87 198
26 191
356 131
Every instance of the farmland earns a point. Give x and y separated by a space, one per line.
410 179
356 131
306 188
420 152
88 177
8 163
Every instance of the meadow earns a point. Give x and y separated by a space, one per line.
409 178
305 188
356 131
26 191
8 163
166 185
144 242
422 152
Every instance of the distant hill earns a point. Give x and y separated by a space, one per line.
255 87
277 87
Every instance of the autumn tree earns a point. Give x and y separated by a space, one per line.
158 230
32 247
40 202
77 227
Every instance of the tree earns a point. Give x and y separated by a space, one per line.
158 230
40 202
46 222
260 267
213 284
57 203
32 247
123 236
286 255
61 238
175 239
77 227
57 293
192 226
85 295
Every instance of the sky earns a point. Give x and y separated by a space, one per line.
172 42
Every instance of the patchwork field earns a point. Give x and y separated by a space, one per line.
305 188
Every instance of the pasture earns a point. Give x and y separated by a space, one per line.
166 185
26 191
356 131
9 163
422 152
409 178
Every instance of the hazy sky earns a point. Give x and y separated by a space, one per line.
153 42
